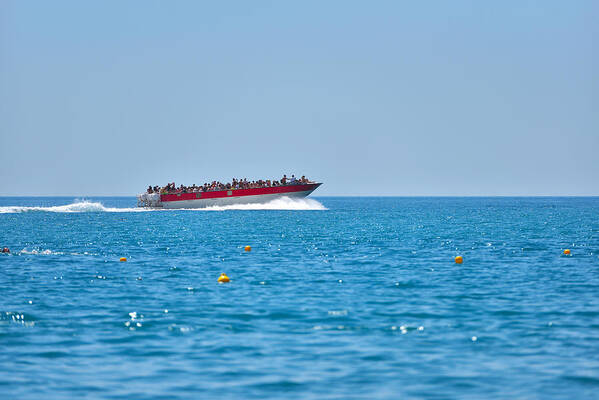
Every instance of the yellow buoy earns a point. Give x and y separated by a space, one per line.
123 259
248 248
459 260
223 278
567 251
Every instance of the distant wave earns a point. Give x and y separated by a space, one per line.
283 203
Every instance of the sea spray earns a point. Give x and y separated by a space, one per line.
283 203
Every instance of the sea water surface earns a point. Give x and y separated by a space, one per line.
339 298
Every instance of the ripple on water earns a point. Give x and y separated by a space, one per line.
16 318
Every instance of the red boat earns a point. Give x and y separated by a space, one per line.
201 199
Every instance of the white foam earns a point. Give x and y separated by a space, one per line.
35 251
283 203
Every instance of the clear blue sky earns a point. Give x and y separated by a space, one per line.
370 97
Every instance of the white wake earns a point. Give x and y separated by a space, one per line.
76 207
283 203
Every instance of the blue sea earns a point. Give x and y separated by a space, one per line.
339 298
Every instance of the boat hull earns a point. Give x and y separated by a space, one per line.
231 200
225 197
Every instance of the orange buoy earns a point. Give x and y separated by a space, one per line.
248 248
123 259
567 252
459 260
223 278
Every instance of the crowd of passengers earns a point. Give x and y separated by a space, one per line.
235 184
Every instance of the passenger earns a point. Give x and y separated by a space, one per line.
235 183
